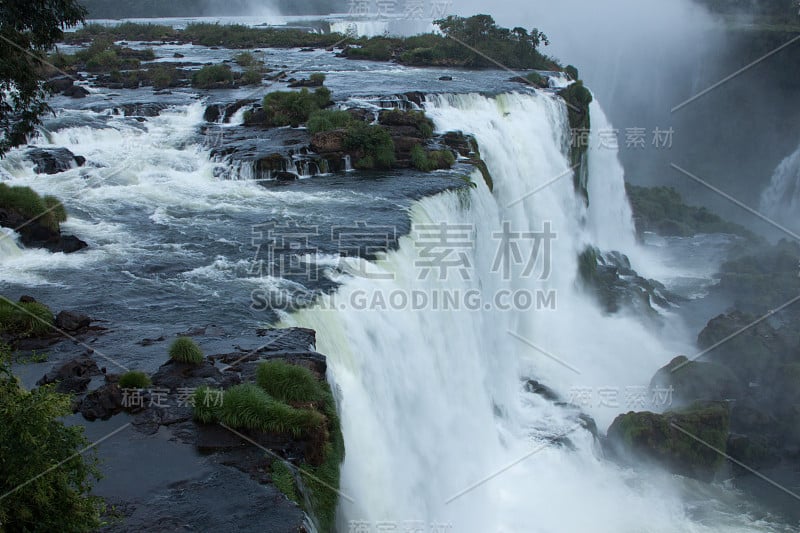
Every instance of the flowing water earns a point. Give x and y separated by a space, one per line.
438 424
781 199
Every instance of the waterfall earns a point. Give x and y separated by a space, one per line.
9 246
439 427
781 199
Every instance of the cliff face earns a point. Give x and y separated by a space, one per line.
196 8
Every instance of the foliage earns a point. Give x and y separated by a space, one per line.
240 36
212 76
25 319
572 72
184 350
329 119
134 380
417 119
29 204
205 405
288 383
662 210
537 79
33 440
289 108
428 161
247 406
163 76
283 479
245 59
317 77
29 28
251 76
127 31
373 143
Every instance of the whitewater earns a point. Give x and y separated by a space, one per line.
440 429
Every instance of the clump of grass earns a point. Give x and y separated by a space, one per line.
329 119
245 59
289 108
317 77
29 319
206 403
185 350
283 479
134 380
288 383
251 76
247 406
30 205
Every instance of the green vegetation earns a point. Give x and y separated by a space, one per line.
37 496
213 77
251 76
417 119
104 56
373 144
134 380
317 78
246 59
572 72
25 319
47 211
184 350
329 119
287 400
427 161
283 479
29 30
514 48
662 210
290 108
536 79
578 98
656 437
288 383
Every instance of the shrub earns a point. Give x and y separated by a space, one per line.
33 439
162 76
537 79
184 350
572 72
212 76
245 59
288 383
317 77
247 406
134 380
329 119
30 319
433 160
374 143
252 76
287 108
56 209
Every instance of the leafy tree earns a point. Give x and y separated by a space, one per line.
28 29
44 479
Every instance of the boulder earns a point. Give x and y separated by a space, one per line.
59 85
696 380
53 160
72 322
173 375
102 403
73 376
76 91
689 442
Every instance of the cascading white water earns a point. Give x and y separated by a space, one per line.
439 430
781 199
9 247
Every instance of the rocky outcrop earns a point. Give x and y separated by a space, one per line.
690 442
691 381
36 234
53 160
73 376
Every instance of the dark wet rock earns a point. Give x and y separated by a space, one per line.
307 83
257 118
67 244
178 55
616 285
544 391
150 342
59 85
174 375
53 160
697 380
459 142
25 299
76 91
73 376
286 176
445 78
103 403
144 109
36 234
416 97
672 439
72 322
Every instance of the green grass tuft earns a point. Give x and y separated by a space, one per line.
288 383
25 319
329 119
247 406
212 76
283 479
185 350
134 380
29 204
